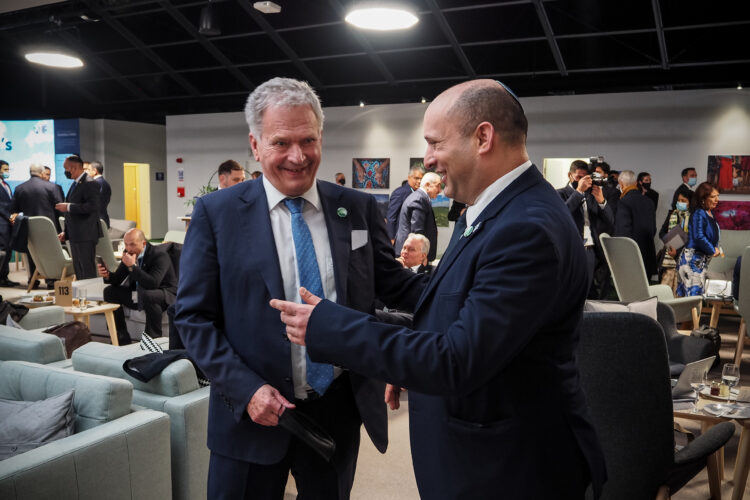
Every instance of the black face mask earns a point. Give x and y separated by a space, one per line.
646 185
341 181
574 184
68 175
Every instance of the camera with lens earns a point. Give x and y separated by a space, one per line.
597 179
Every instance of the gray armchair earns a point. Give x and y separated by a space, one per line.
742 306
44 247
622 358
30 343
175 392
626 264
115 453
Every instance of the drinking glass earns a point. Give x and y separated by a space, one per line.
730 375
81 299
698 381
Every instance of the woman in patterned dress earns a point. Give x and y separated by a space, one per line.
703 240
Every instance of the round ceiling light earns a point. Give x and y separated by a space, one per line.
54 59
381 18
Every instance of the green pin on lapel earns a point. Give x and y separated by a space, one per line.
341 212
468 231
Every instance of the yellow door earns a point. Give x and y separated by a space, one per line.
136 179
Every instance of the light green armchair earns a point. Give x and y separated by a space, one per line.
175 392
44 247
115 453
30 343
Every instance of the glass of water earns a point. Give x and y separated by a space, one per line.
730 375
82 299
698 382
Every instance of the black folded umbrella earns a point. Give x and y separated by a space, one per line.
307 430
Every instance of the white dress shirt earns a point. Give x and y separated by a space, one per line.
281 225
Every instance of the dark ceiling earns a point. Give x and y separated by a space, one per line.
144 59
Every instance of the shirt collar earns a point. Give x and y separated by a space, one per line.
491 192
274 196
78 179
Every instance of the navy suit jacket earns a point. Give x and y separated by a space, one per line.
601 220
5 211
394 208
636 219
37 197
82 218
494 393
229 273
417 217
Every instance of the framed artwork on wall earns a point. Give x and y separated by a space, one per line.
371 173
730 173
733 215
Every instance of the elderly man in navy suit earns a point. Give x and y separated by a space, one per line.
495 403
262 239
399 195
417 216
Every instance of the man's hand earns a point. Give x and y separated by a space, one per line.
103 272
392 393
584 184
267 405
671 251
61 207
12 218
295 316
61 236
597 192
400 260
128 260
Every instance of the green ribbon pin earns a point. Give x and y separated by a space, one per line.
341 212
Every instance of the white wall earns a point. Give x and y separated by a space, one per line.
660 132
114 143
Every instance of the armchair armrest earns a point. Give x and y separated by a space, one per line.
42 317
130 455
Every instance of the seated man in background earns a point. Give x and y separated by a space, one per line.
230 173
144 280
414 253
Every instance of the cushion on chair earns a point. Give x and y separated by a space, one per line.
25 425
647 307
97 399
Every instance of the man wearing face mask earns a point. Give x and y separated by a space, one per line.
6 198
81 211
644 184
689 180
591 213
340 179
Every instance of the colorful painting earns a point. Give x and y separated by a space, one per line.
733 215
371 173
731 174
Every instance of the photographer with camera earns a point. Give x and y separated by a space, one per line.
591 213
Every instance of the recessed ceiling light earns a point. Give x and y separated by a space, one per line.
267 7
54 59
424 100
381 17
361 104
739 86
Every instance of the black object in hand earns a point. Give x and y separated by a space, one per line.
307 430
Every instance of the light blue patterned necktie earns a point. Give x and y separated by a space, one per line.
319 375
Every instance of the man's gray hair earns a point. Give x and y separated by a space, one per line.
421 238
277 92
416 168
429 178
36 169
627 178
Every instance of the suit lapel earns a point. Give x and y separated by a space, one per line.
256 237
529 178
339 234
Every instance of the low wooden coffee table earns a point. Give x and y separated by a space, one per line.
104 308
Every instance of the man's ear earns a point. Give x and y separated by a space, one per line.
484 134
254 146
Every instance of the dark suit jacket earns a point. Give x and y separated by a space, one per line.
230 271
636 219
155 272
394 208
417 217
494 393
105 193
82 219
5 211
37 197
601 220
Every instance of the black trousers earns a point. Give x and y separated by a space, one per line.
84 259
153 303
5 234
316 479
